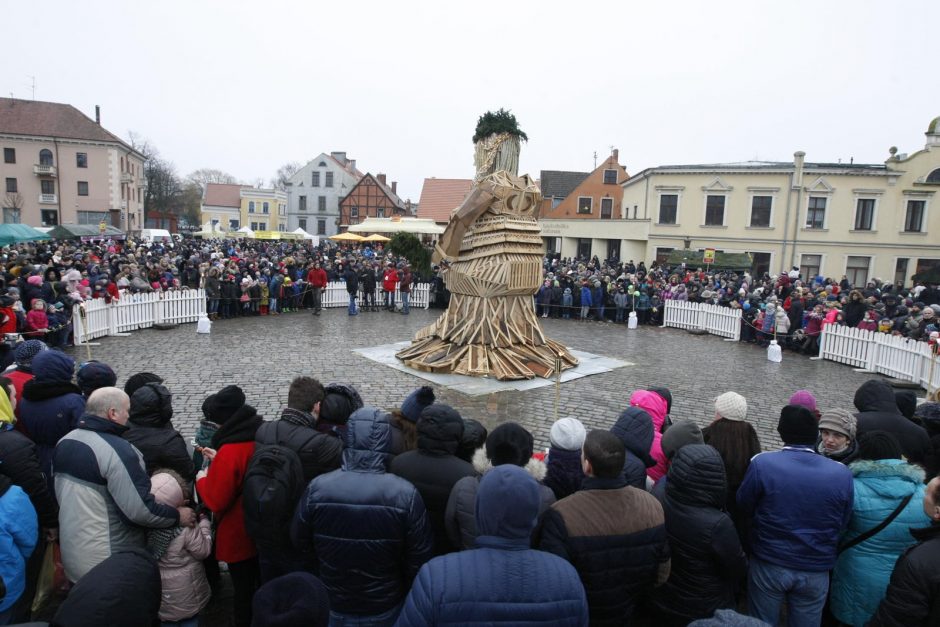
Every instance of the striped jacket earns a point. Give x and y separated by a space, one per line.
104 495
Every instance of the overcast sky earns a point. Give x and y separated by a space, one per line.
245 87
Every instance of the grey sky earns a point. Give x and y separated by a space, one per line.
245 87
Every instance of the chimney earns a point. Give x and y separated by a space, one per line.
339 156
616 155
394 187
351 164
98 115
798 160
381 178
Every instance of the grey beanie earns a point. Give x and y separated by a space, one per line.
681 432
840 421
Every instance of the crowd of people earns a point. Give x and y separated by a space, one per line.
338 512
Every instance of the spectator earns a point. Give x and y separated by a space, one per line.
23 372
878 411
93 375
563 473
680 434
473 438
293 600
19 532
634 429
152 433
837 439
654 405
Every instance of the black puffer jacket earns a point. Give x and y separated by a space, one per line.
434 467
707 559
368 528
634 428
19 462
151 432
878 411
319 453
913 595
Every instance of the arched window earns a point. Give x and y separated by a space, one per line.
45 157
322 164
934 177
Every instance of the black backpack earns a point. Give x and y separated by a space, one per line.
272 488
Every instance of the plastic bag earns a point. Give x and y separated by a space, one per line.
52 580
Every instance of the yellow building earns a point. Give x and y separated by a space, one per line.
263 209
859 220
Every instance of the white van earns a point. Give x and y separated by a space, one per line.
156 235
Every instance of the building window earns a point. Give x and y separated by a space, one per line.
251 206
714 210
933 177
303 223
302 203
610 177
11 215
556 200
913 220
816 212
856 270
83 188
585 204
93 217
321 227
233 224
864 214
265 208
810 266
50 217
322 164
281 228
668 208
281 209
9 155
760 210
584 248
46 186
314 179
11 186
254 226
321 203
81 159
900 272
354 212
380 212
607 208
329 180
662 254
45 157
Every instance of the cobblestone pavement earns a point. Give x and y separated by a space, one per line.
263 354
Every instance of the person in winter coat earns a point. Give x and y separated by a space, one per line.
433 468
296 599
563 469
837 441
854 308
51 406
352 288
509 443
929 416
708 562
681 433
586 301
473 438
567 303
19 532
878 411
654 405
482 586
93 375
389 281
180 551
613 534
881 482
367 528
913 595
220 490
152 433
23 355
634 429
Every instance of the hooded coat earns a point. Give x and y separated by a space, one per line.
707 559
563 472
634 428
486 586
151 432
318 452
878 411
434 468
911 597
18 535
862 573
367 528
654 405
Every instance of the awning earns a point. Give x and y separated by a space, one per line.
397 225
15 233
86 232
347 237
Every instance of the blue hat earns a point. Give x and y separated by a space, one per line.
25 351
415 402
93 375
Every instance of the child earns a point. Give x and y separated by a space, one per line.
180 551
567 300
265 295
7 316
37 322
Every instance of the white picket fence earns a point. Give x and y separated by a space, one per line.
335 295
892 355
721 321
136 311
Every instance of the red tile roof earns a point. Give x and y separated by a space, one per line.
439 197
223 195
50 119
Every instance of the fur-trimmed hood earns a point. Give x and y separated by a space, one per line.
887 468
482 464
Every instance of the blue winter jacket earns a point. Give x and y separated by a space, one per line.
862 573
634 428
799 502
586 296
19 530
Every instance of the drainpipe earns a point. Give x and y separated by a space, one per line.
798 159
58 196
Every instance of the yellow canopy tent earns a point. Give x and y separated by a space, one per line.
346 237
375 237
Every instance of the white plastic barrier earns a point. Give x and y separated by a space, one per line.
895 356
722 321
135 311
335 295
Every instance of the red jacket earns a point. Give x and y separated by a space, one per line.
18 378
317 277
389 279
221 491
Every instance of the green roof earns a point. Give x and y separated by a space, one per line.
934 128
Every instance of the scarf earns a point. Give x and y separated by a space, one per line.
158 540
241 427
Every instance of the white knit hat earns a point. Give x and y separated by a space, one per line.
568 434
731 406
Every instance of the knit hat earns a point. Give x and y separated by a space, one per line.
803 398
339 403
415 402
136 381
875 445
166 489
25 351
568 434
731 406
93 375
224 403
681 432
473 438
295 600
797 425
840 421
509 443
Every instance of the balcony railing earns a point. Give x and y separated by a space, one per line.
127 177
47 199
44 170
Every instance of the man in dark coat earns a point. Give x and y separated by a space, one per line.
434 467
614 534
352 287
152 433
482 586
913 595
878 411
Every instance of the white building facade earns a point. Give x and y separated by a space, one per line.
315 191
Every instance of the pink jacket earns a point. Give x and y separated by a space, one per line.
185 589
655 405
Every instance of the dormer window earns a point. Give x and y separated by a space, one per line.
934 177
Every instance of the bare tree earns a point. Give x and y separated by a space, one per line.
204 176
13 201
284 173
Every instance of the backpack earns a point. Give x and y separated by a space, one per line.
274 483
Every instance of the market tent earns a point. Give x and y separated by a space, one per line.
304 234
398 224
85 232
347 237
15 233
245 231
375 237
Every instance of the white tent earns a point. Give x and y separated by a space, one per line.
246 232
305 235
